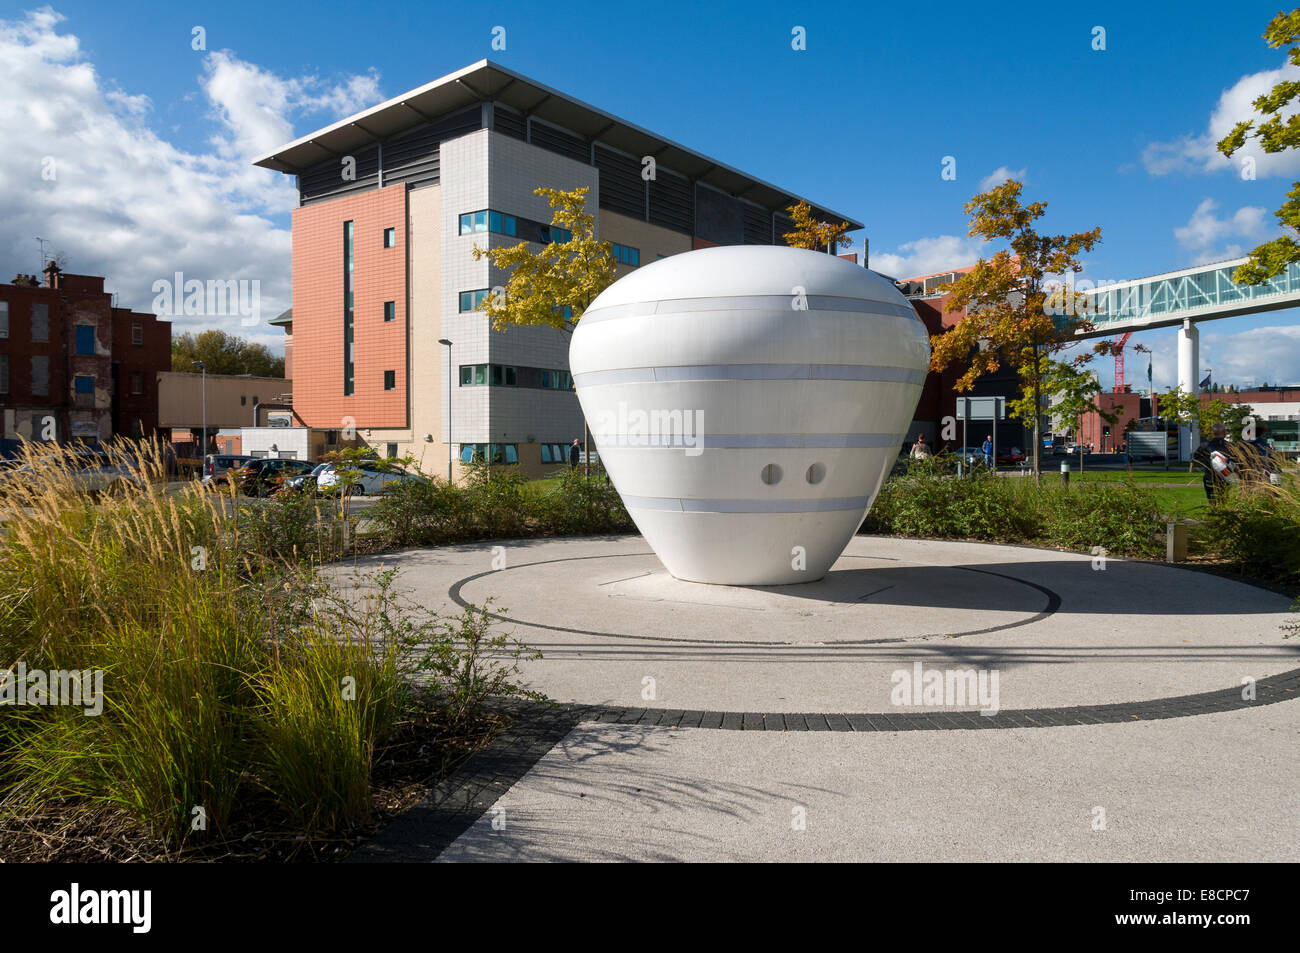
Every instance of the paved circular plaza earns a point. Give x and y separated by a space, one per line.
1058 630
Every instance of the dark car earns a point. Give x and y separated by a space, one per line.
264 475
217 467
1011 457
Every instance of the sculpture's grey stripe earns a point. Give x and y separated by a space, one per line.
750 372
782 303
750 441
676 504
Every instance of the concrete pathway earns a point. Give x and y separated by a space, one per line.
1144 710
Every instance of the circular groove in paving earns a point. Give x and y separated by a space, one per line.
834 581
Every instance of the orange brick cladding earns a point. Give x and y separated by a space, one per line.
378 275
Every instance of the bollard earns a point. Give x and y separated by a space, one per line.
1065 474
1175 542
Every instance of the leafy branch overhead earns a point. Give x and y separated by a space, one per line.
554 284
1276 133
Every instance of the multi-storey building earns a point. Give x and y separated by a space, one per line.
393 200
72 366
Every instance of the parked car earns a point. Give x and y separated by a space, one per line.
1011 457
303 481
263 475
217 467
89 471
370 479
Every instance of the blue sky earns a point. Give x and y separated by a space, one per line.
860 121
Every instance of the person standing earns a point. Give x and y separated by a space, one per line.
987 450
1215 463
575 453
920 449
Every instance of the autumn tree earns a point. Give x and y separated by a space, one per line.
1276 133
553 284
812 233
224 354
1076 392
1008 320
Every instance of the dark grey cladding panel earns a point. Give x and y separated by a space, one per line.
557 140
410 157
671 202
758 225
509 123
784 224
326 179
719 218
622 189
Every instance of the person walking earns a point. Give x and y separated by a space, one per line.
1215 461
920 449
987 450
575 453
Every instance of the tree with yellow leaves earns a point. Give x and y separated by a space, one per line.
552 285
1009 318
813 234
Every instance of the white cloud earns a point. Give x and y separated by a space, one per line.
1198 152
1204 236
927 256
126 203
1266 354
999 175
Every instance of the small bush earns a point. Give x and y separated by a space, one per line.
583 504
1256 528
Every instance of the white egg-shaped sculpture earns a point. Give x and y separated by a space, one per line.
747 403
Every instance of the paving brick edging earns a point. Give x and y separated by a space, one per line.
426 830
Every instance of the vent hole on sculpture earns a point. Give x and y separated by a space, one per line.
816 473
771 474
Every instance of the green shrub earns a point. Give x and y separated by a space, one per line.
496 500
1121 517
1256 528
422 513
582 504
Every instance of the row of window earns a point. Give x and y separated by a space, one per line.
499 223
40 328
509 453
627 255
505 375
83 386
471 300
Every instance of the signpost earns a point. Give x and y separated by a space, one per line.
991 409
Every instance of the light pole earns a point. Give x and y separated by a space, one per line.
450 451
203 391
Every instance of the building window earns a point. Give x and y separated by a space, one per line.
557 380
390 238
392 451
40 375
553 233
85 339
470 300
488 220
348 365
137 383
4 373
390 380
40 322
85 391
137 335
627 256
4 320
390 310
489 453
495 375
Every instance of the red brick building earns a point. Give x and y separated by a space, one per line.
72 366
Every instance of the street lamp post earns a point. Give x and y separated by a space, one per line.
450 450
203 390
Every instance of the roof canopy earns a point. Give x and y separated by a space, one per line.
486 81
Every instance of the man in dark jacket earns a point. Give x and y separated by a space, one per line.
1214 478
575 453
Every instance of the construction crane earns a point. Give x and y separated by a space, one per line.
1118 349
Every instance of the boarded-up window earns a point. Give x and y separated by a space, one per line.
40 324
137 383
4 319
40 375
137 334
4 373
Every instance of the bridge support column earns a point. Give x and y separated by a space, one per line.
1189 379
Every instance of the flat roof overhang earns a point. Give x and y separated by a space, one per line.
486 81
